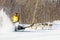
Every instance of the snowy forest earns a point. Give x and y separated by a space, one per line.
38 11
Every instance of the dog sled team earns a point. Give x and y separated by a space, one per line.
15 20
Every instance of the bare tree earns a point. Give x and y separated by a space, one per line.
36 5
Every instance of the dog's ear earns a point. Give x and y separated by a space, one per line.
50 24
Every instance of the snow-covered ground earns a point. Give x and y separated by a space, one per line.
30 34
43 35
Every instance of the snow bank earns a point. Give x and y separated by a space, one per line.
56 25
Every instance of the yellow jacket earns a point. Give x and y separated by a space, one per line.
15 18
